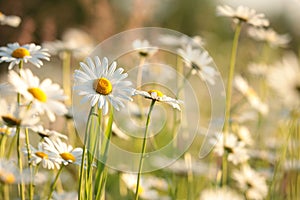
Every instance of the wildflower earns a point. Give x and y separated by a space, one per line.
102 84
269 36
48 133
144 48
11 20
8 131
223 193
14 54
284 79
199 62
66 152
252 183
244 135
49 160
242 85
160 97
258 69
45 96
10 174
243 14
182 41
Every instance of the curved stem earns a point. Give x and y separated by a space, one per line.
53 185
228 99
143 151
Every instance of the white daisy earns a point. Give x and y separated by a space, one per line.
182 41
160 97
11 20
258 69
102 84
237 153
284 78
269 36
10 173
14 54
46 96
144 48
242 86
66 152
243 14
223 193
15 115
7 131
252 183
49 160
48 133
200 62
244 135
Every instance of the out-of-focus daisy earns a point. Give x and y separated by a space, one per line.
66 152
200 62
237 153
242 86
102 84
220 194
244 135
14 54
160 97
284 78
182 41
65 195
258 69
144 48
45 96
251 183
7 131
10 20
10 174
14 115
243 14
149 186
270 36
49 160
48 133
76 41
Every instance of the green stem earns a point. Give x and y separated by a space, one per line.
228 99
66 66
143 150
53 185
21 185
31 189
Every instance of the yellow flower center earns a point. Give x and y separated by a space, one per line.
141 189
159 93
38 94
68 157
20 53
102 86
41 155
7 177
11 121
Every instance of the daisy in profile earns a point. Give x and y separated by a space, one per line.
243 14
242 86
45 96
10 20
66 152
160 97
49 160
284 79
43 132
13 53
102 84
144 48
270 36
200 62
251 183
223 193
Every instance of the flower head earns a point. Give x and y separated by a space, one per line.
220 194
200 62
45 96
160 97
144 48
10 174
14 54
48 133
102 84
243 14
10 20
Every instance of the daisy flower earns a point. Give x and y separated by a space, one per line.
223 193
45 96
270 36
244 135
15 115
243 14
160 97
48 133
8 131
10 20
258 69
14 54
242 86
252 183
144 48
49 160
200 62
102 84
284 78
66 152
182 41
10 174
